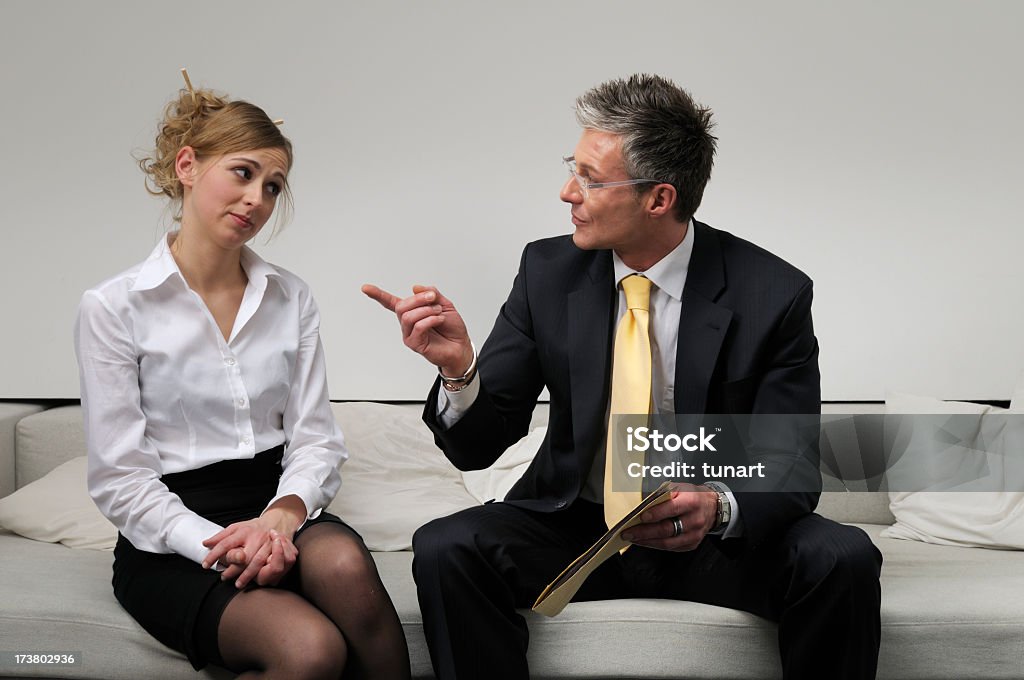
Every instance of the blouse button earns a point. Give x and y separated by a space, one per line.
229 361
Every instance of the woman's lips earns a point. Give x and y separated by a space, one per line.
241 220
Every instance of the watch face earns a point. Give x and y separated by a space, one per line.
723 510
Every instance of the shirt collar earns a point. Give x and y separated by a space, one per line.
259 271
668 273
160 266
157 268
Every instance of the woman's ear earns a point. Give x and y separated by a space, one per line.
185 165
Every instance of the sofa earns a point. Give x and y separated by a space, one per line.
947 611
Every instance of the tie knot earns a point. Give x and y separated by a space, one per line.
638 292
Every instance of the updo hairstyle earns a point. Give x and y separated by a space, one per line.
212 125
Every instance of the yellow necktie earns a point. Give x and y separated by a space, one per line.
631 394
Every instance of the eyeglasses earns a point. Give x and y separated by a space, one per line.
585 186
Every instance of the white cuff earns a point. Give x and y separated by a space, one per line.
733 529
187 535
451 406
304 492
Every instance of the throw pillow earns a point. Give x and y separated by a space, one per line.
977 453
57 509
494 482
395 479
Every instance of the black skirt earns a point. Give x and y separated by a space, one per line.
175 599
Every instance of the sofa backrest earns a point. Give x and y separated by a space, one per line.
47 439
10 415
42 440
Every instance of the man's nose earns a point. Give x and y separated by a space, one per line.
571 191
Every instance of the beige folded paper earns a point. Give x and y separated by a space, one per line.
560 591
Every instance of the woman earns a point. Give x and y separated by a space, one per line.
212 446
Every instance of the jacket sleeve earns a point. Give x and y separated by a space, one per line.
510 378
784 426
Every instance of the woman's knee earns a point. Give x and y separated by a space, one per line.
314 652
332 554
349 564
279 632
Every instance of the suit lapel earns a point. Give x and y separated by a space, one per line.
590 309
702 323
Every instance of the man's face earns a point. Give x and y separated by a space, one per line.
609 217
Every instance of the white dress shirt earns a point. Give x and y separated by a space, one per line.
163 392
669 278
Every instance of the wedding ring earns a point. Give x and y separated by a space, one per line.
677 526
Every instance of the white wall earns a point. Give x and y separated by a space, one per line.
877 146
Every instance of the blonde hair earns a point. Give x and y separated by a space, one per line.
212 125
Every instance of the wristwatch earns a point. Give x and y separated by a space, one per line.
462 382
723 513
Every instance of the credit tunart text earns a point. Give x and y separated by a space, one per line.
645 439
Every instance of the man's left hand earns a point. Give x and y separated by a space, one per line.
696 507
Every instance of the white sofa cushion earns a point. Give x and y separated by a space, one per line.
972 518
947 612
58 509
493 483
395 479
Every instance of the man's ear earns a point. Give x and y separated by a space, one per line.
186 165
661 200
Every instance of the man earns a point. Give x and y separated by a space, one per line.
729 332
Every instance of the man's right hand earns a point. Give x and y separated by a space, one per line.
431 326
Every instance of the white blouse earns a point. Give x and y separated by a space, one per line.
163 392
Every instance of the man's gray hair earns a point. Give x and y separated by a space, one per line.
666 135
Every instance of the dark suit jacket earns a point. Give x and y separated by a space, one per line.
746 345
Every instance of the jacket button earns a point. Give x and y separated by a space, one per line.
560 504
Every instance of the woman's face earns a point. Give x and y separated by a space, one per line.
231 197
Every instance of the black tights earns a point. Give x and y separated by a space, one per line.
339 623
